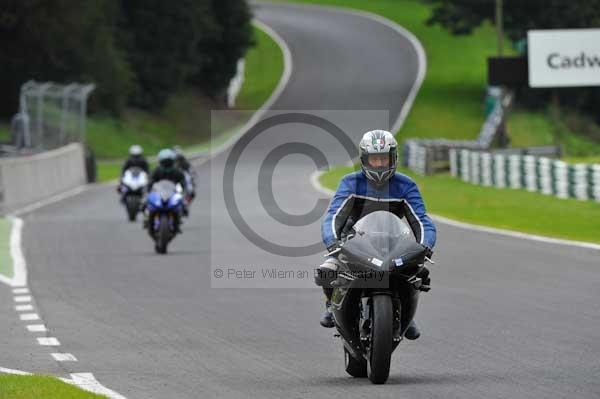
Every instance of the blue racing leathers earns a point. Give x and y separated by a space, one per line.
356 197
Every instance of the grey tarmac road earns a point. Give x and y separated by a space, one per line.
506 319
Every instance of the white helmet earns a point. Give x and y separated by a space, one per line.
136 150
378 156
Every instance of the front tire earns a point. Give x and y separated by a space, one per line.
382 339
355 367
163 235
133 205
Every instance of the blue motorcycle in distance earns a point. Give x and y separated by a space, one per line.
164 205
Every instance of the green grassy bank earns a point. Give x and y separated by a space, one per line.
40 387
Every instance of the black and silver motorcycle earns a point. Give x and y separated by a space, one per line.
376 291
132 186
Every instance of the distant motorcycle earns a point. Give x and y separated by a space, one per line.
164 205
372 318
132 186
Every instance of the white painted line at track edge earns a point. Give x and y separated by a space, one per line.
88 382
63 357
29 316
24 298
85 381
36 328
48 341
13 371
514 234
16 252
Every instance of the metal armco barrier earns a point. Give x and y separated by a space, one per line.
536 174
27 179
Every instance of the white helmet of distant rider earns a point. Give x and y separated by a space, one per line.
136 150
378 156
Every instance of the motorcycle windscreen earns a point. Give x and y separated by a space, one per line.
135 178
165 188
384 240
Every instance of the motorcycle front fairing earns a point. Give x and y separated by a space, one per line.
134 180
175 203
380 242
164 197
154 201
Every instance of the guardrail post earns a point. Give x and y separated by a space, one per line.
486 169
465 167
453 162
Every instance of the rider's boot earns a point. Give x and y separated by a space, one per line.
327 318
177 224
412 332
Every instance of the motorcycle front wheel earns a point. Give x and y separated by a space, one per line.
163 235
132 203
382 339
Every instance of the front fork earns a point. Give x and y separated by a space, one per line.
364 325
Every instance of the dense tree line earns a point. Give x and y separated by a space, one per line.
463 16
137 52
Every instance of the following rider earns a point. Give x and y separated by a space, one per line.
136 160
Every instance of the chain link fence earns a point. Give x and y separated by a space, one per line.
51 115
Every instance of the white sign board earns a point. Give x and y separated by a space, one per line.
564 57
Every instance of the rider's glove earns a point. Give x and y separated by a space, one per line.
428 252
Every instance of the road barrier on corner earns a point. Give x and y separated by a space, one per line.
537 174
28 179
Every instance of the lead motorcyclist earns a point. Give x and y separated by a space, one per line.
166 170
377 180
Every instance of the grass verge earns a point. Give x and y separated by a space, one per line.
510 209
37 387
4 133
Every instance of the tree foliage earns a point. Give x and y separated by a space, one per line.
61 40
226 45
462 16
137 52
